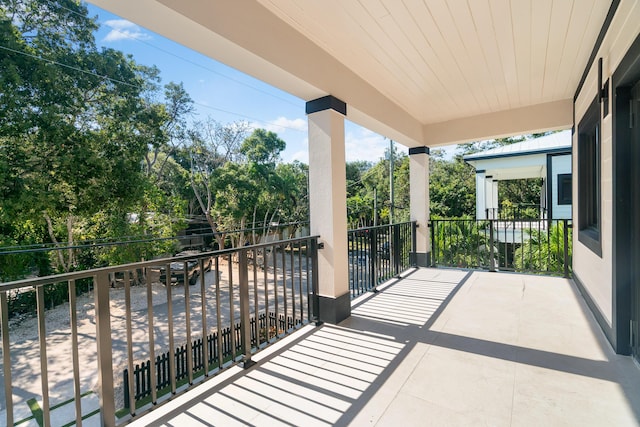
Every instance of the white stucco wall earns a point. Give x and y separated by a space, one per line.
593 271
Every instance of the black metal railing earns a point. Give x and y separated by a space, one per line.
239 300
377 254
523 245
519 211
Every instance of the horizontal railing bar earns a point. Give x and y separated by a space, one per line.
378 227
85 274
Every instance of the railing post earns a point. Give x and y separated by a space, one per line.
103 341
314 280
492 261
395 247
42 341
565 228
414 243
6 358
434 246
373 261
243 278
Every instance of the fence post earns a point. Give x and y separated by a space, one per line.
125 387
492 261
565 227
105 351
243 278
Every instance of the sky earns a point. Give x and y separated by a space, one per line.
228 95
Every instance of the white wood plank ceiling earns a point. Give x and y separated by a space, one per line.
441 60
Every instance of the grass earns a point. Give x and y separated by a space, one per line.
38 414
164 391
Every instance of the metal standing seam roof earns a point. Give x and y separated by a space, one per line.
555 142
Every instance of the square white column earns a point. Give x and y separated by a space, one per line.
494 195
328 209
481 191
419 201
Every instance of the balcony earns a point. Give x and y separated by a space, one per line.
431 346
436 347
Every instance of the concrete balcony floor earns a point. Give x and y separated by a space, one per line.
437 347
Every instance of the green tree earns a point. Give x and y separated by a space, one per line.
451 187
292 192
84 141
67 137
210 148
263 148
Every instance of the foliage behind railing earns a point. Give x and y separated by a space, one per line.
534 246
378 253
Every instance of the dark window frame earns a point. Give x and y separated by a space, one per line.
565 196
589 179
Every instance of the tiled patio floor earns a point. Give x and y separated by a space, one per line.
438 347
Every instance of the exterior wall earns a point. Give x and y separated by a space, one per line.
593 272
491 194
559 165
527 163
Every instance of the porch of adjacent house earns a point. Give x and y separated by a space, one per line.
433 347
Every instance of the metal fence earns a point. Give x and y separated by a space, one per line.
377 254
523 245
261 332
124 328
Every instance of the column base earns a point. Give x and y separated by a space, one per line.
335 310
420 259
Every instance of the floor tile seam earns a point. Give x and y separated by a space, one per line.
447 407
402 385
445 316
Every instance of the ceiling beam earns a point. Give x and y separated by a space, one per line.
555 115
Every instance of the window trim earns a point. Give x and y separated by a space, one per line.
589 179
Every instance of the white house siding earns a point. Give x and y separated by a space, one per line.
559 165
594 272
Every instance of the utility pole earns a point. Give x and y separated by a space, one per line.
375 207
391 198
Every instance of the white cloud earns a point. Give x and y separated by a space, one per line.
360 144
301 156
283 124
121 29
364 145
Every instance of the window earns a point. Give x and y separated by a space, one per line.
564 189
589 178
